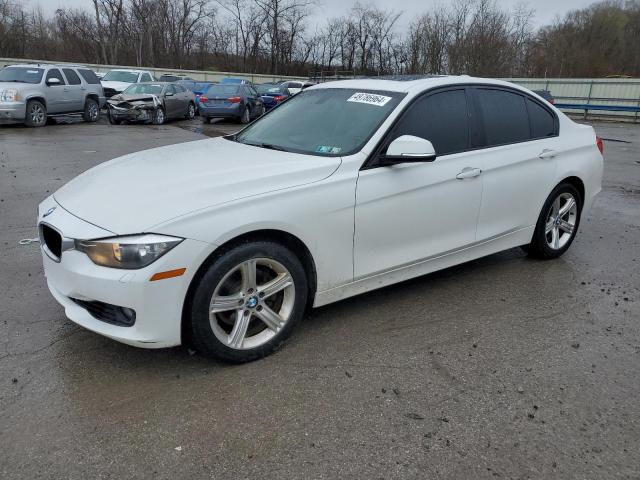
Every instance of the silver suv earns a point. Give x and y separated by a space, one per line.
31 93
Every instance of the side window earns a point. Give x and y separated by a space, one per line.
171 89
504 116
442 118
72 77
146 77
55 73
89 76
542 121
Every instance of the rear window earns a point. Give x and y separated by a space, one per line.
221 90
89 76
72 77
21 74
542 120
504 115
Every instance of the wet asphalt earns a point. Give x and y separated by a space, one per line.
504 367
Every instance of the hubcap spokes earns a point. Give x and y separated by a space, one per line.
252 303
561 221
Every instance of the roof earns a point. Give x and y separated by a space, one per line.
408 83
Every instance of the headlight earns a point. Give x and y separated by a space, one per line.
8 95
129 252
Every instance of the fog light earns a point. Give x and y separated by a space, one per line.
128 313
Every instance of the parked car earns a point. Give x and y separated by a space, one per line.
272 94
237 101
349 187
152 102
546 94
293 86
172 77
117 80
31 93
198 88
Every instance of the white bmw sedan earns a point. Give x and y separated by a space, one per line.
344 188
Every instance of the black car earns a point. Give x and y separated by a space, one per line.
546 94
272 94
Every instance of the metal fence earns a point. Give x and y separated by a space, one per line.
611 97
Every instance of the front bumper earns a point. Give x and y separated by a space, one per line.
157 305
12 112
143 114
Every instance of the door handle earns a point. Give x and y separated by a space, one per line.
468 172
547 153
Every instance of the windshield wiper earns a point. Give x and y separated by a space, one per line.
268 146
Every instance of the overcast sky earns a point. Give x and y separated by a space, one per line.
546 10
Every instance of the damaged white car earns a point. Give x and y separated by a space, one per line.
152 103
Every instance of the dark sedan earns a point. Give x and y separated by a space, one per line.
152 102
235 101
272 94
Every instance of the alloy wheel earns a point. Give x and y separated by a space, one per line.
561 221
93 111
252 303
37 114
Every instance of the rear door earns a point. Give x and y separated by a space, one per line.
519 157
75 92
411 212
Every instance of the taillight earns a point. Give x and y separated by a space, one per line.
600 145
203 98
552 101
278 98
234 99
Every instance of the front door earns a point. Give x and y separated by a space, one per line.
56 94
415 211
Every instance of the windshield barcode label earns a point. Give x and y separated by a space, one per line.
369 98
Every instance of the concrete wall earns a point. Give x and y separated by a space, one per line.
203 75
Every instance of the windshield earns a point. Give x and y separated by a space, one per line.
142 88
223 90
268 89
120 76
21 74
328 121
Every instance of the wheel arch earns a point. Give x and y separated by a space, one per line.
38 98
286 239
93 96
577 183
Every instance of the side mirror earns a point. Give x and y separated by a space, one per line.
408 148
53 81
168 94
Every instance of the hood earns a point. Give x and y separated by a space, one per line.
123 100
131 194
117 86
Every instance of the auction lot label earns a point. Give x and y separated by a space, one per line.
369 98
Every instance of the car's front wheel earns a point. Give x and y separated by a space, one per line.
557 224
36 114
158 116
246 116
247 302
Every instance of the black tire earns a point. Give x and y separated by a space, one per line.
539 246
112 119
199 329
91 111
191 111
158 117
36 114
245 117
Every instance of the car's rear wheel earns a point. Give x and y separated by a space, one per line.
557 224
247 302
158 116
191 112
246 116
91 111
36 114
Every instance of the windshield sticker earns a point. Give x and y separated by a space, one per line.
369 99
328 149
33 71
